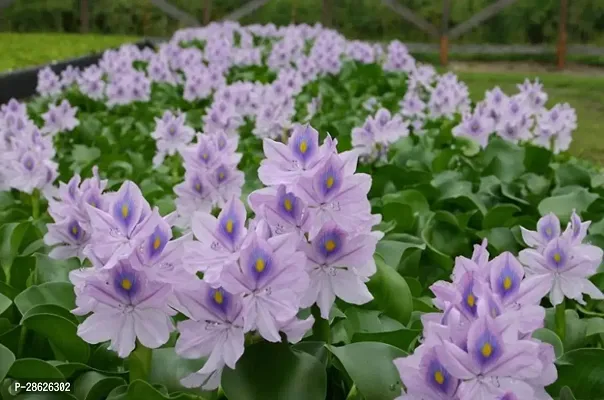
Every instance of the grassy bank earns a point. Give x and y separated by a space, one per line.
21 50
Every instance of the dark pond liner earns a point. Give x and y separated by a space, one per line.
21 84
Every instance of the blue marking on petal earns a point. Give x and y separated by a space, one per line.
330 242
126 281
156 242
288 205
197 186
469 299
123 210
260 263
303 145
438 377
331 180
229 226
222 174
219 300
74 230
508 281
488 348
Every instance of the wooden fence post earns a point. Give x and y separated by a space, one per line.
207 10
84 16
444 33
562 35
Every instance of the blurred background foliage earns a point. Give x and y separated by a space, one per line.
524 22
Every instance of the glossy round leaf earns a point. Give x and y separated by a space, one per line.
582 370
391 292
34 369
60 331
274 371
402 338
563 205
95 386
59 293
370 366
7 358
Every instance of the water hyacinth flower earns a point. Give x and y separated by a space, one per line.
195 194
215 331
31 170
60 118
219 240
171 135
127 307
475 127
126 224
49 83
271 278
336 193
562 269
548 229
70 237
493 362
339 263
283 211
286 163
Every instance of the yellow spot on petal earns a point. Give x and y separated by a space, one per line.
487 349
221 175
260 265
439 377
507 283
330 245
548 231
471 300
229 226
93 203
303 146
287 203
74 230
156 243
126 284
329 182
198 187
218 298
204 156
557 257
125 211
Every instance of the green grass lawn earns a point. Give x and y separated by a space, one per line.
19 50
584 93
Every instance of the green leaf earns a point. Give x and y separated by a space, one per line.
167 369
34 369
59 293
370 366
143 390
576 328
582 370
501 239
391 292
594 326
83 155
392 250
571 174
60 331
402 338
566 394
499 215
412 198
445 238
50 270
563 205
95 386
5 303
547 336
11 238
401 213
460 194
274 371
7 358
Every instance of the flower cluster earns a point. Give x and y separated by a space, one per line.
27 153
480 345
310 241
520 118
60 118
377 133
211 175
560 261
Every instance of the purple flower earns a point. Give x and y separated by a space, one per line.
548 229
339 263
49 83
492 363
425 377
335 193
283 211
271 279
195 194
60 118
71 238
171 135
285 164
215 330
219 240
127 307
126 224
475 127
227 182
563 268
